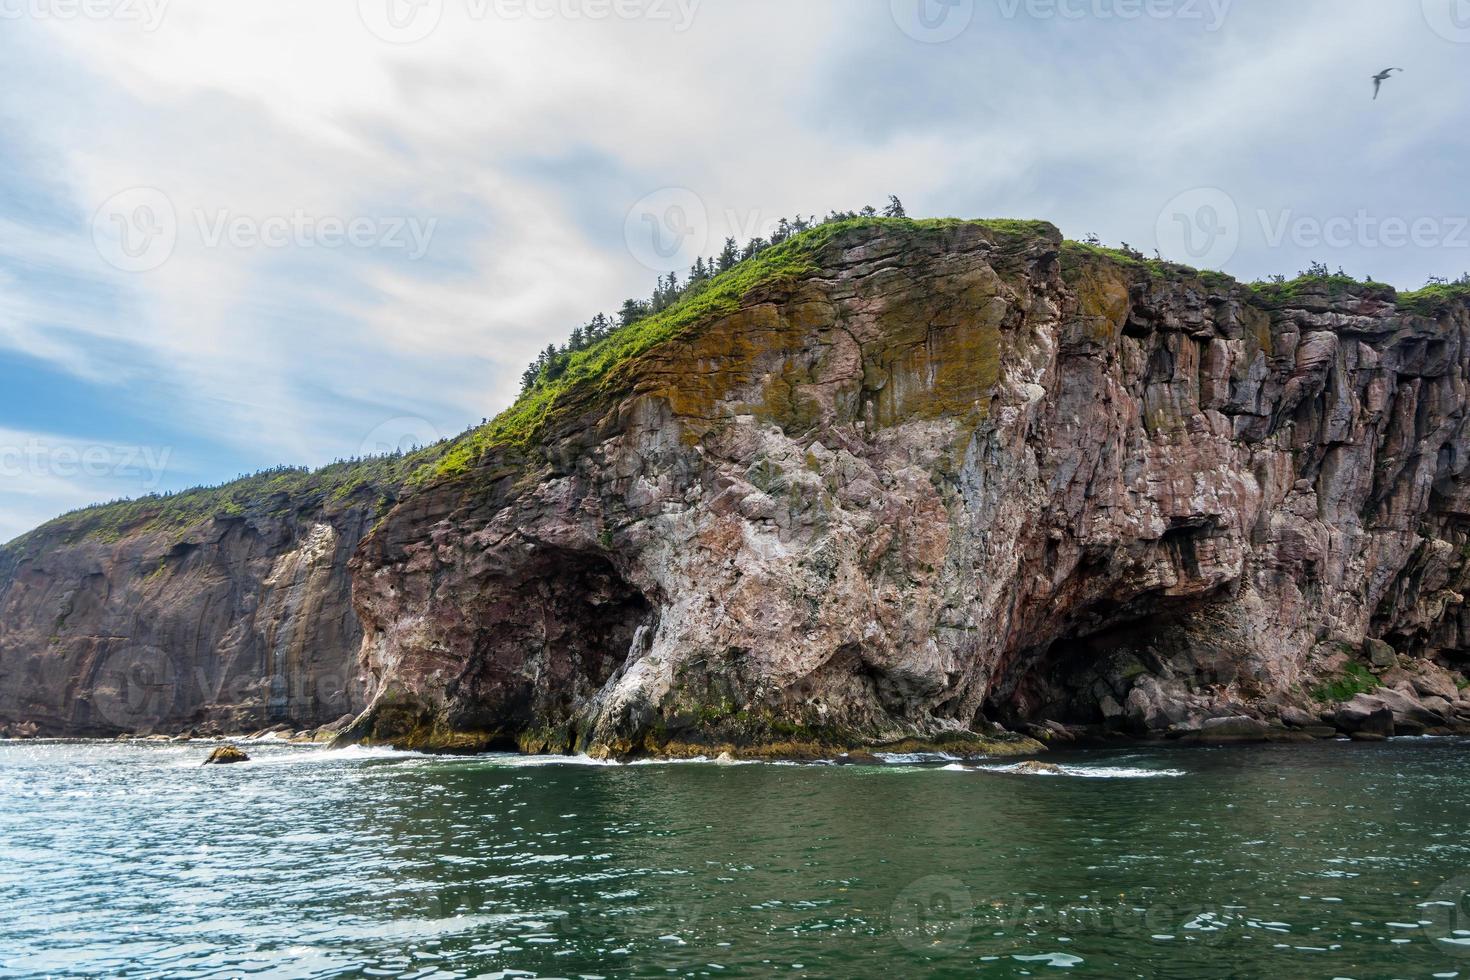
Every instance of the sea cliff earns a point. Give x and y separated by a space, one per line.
895 483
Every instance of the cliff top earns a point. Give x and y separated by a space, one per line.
270 493
600 367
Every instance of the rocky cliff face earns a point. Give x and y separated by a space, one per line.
933 477
158 618
956 474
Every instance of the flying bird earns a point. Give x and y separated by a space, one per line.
1380 78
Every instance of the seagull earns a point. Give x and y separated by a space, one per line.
1382 77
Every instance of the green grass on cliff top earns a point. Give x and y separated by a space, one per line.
519 425
1424 302
277 492
788 262
271 493
1428 300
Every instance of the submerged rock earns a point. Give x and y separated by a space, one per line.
1032 767
226 755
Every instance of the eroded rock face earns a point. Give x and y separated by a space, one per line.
952 477
947 478
232 625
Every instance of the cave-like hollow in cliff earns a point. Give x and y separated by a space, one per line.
1084 675
550 634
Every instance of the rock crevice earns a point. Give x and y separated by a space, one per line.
978 478
950 476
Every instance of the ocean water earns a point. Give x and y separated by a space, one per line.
1327 860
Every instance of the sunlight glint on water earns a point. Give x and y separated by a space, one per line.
1317 860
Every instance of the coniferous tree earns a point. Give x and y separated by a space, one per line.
632 311
530 376
553 362
729 256
599 328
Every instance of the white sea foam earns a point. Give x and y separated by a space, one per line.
1050 959
916 758
299 755
350 753
534 761
1082 772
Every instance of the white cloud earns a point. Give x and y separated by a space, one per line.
527 140
43 474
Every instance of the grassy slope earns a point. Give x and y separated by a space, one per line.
595 366
1423 302
274 493
596 369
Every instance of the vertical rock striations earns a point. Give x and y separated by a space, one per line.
910 480
223 610
957 472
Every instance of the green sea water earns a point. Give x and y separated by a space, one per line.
1327 860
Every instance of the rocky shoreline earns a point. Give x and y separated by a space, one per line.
925 483
1387 699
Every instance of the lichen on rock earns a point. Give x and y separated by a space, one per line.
893 487
950 476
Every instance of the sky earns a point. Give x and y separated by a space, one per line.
234 236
